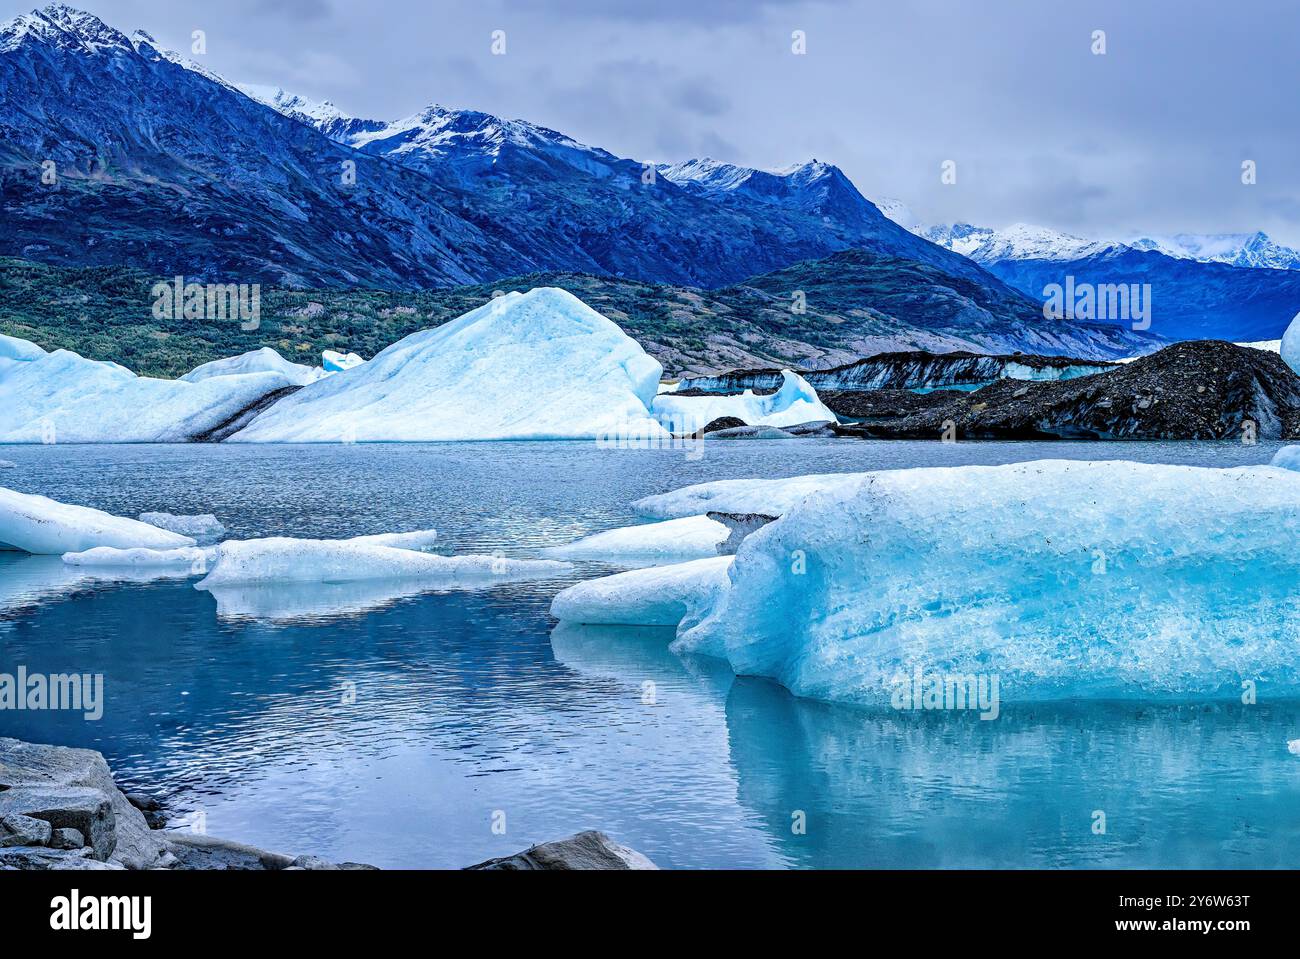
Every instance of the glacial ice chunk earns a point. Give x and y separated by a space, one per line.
794 403
1290 347
771 497
535 365
265 360
657 596
282 559
38 524
204 528
1288 458
673 540
1063 579
61 397
332 361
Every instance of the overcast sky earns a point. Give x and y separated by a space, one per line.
1149 137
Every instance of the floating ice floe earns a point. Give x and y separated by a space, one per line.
265 360
673 540
203 528
768 496
657 596
794 403
535 365
1288 458
286 560
191 559
37 524
332 361
1293 747
1061 579
1290 345
61 397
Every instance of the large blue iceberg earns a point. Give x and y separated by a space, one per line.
1061 579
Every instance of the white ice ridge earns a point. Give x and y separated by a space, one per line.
283 559
657 596
419 539
1064 579
771 497
265 360
37 524
1290 347
192 558
535 365
61 397
1287 458
794 403
676 539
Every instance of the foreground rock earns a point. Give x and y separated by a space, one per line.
61 809
1199 390
586 850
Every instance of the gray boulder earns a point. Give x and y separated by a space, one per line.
121 830
38 857
586 850
66 807
19 830
67 839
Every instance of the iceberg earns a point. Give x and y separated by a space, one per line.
658 596
1290 345
795 403
332 361
8 465
676 539
61 397
535 365
1287 458
37 524
282 559
203 528
265 360
1062 579
771 497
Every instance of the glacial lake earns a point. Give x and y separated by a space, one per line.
472 708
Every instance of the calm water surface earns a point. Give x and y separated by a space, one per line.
471 704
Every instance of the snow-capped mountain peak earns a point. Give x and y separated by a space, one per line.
65 26
1256 249
1019 241
292 105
